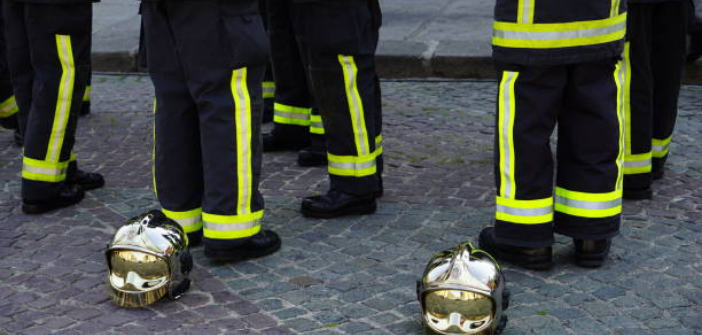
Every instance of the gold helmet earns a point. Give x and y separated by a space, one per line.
463 292
147 259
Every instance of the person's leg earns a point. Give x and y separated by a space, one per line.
18 61
224 76
8 103
268 79
60 60
177 156
293 102
529 99
342 68
589 182
638 103
668 49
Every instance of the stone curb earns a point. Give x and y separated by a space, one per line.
395 59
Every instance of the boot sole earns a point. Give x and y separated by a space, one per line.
224 255
45 208
527 263
355 210
91 186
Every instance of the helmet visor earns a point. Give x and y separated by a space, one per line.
137 278
458 312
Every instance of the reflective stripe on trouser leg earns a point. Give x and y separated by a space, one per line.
661 147
621 75
633 163
244 223
506 116
191 220
88 94
588 205
558 35
268 89
51 169
364 163
8 107
316 125
153 153
525 11
291 115
524 211
38 170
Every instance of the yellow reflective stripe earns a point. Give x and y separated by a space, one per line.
637 164
614 10
525 13
378 145
65 96
88 93
627 96
588 205
153 153
352 166
524 211
242 117
291 115
231 226
8 107
191 220
558 35
268 89
358 121
661 147
37 170
621 80
507 109
316 124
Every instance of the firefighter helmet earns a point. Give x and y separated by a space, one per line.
463 292
148 259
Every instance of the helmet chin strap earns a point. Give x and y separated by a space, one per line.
180 289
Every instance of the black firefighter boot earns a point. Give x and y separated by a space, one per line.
68 195
590 253
86 180
528 258
262 244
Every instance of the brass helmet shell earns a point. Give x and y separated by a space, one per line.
463 292
148 259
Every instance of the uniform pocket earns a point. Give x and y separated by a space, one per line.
246 37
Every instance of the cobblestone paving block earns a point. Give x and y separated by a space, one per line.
354 275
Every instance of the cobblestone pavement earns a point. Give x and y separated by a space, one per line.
353 275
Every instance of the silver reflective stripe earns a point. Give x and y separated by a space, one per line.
232 226
317 125
63 107
633 164
188 222
558 35
356 103
527 11
43 171
525 211
352 166
594 205
508 98
660 148
291 115
244 133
